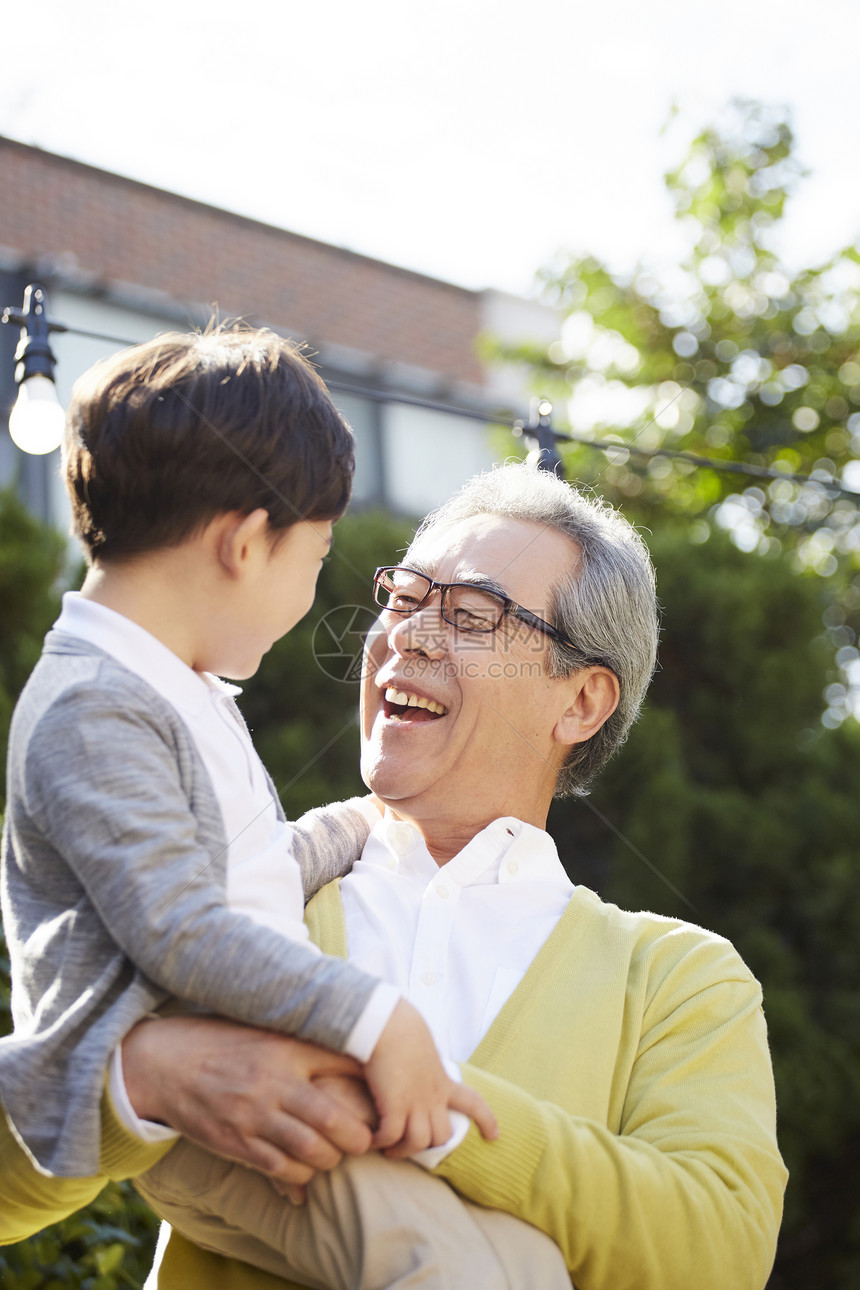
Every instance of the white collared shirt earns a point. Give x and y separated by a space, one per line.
455 939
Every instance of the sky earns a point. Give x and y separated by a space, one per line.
462 138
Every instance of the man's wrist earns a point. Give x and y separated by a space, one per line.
144 1130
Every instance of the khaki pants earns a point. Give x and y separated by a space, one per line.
369 1224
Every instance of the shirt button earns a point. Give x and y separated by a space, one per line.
442 893
429 978
513 867
400 837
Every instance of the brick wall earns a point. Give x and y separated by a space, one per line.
115 229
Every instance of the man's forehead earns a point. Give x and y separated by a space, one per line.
488 547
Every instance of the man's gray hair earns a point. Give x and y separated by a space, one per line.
606 604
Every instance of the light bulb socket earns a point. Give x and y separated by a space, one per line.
33 356
36 420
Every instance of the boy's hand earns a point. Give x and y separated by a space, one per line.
413 1094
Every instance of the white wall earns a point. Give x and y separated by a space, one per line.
362 415
428 455
514 320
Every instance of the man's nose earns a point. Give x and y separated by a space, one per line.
424 632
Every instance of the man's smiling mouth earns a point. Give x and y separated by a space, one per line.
402 705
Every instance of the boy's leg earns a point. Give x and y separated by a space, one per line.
407 1228
370 1224
529 1256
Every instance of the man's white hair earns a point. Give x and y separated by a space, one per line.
606 605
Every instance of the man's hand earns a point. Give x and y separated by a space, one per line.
353 1093
413 1094
245 1094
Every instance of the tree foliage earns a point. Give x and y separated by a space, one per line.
728 356
32 559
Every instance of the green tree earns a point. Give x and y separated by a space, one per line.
726 355
32 561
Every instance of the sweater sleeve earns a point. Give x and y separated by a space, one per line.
106 791
31 1200
689 1192
328 840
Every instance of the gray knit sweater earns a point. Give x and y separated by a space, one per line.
113 898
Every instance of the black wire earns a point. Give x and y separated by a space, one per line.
711 463
567 435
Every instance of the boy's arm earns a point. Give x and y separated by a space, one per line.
104 789
328 841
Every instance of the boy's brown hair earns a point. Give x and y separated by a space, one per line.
164 436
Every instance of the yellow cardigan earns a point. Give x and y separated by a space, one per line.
631 1078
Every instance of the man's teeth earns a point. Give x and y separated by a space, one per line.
405 700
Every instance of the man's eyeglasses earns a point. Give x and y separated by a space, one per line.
465 606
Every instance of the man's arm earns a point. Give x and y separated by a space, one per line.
688 1194
243 1093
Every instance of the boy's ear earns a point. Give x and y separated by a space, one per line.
240 537
592 698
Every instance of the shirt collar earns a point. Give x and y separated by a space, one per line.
142 653
507 850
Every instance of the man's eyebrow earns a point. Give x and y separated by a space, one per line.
418 566
485 583
472 579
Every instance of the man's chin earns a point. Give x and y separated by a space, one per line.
382 781
391 778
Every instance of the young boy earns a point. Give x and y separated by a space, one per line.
146 857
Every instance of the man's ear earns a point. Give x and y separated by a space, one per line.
239 537
594 698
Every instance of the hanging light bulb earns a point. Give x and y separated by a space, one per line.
37 420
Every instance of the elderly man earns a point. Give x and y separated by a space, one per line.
624 1055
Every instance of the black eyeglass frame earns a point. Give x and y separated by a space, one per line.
509 607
